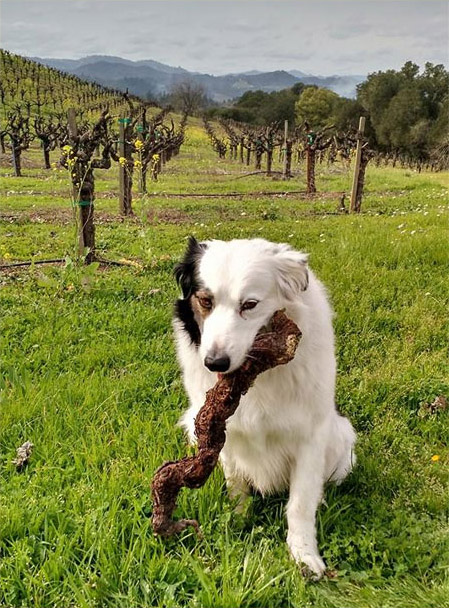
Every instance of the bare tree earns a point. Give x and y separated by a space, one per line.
188 96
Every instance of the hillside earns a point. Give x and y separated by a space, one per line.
151 78
39 89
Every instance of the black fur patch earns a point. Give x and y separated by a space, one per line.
185 274
184 312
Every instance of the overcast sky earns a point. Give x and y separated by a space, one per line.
221 36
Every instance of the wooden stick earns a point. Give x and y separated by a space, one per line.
358 158
275 347
284 170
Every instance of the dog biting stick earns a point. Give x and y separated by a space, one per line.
275 347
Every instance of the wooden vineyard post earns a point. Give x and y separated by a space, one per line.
361 179
288 159
285 171
83 198
310 162
125 167
358 158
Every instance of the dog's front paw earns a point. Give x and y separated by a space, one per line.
311 564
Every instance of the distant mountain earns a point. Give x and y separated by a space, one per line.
73 64
248 73
297 73
149 78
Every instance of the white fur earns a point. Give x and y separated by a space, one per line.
286 432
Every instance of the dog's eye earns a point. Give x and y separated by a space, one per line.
205 302
249 305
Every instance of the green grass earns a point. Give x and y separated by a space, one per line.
89 376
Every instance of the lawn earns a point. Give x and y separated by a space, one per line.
89 376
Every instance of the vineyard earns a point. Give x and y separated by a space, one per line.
99 192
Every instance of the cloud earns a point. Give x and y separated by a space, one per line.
351 30
324 37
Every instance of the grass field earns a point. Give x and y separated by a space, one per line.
89 376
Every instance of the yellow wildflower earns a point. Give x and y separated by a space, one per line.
155 157
139 144
122 161
66 150
137 163
435 458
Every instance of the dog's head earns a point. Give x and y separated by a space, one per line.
229 292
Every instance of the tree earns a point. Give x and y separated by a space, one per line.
419 139
298 88
347 113
404 109
188 96
252 99
376 93
439 137
280 107
316 107
434 83
410 70
259 107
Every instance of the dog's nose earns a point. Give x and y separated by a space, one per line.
218 364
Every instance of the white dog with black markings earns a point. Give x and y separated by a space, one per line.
286 432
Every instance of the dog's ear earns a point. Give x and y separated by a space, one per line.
292 273
186 269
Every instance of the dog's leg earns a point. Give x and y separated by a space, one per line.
306 491
238 488
239 491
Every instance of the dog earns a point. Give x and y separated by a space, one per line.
286 432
